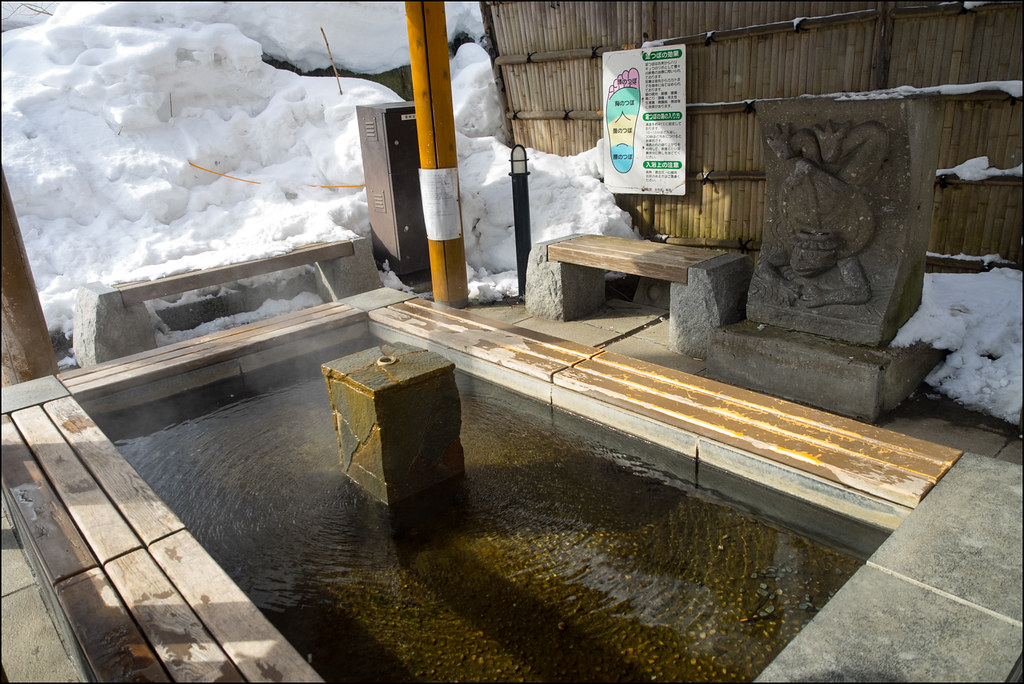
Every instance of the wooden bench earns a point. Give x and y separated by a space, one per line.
841 464
135 594
565 281
215 357
113 322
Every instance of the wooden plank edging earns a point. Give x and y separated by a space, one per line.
858 456
138 292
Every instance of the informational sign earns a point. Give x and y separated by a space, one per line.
439 191
645 120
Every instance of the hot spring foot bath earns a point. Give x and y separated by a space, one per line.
563 556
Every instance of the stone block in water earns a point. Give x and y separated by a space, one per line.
849 192
398 418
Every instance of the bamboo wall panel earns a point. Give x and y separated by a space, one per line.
826 60
968 219
689 18
984 128
982 45
928 44
564 138
573 84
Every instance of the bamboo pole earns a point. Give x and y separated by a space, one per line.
27 351
439 162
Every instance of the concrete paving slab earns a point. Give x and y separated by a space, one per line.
622 316
374 299
646 350
965 536
16 572
880 628
577 331
32 392
32 650
1012 452
937 419
502 311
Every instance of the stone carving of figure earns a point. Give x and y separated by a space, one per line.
826 216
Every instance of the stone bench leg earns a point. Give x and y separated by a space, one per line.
715 295
347 276
560 291
106 329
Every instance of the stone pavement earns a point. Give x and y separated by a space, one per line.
955 561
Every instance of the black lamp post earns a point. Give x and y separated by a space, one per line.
521 212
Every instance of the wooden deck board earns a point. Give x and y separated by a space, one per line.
196 624
534 354
865 458
637 257
146 512
107 635
856 455
121 374
256 647
100 523
170 352
184 646
59 547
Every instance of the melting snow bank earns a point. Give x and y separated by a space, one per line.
983 370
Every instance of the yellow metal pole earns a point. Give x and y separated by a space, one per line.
27 352
439 162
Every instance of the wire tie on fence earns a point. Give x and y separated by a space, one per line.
749 109
593 52
942 181
515 115
1013 100
964 9
744 244
529 57
709 38
566 117
798 25
705 178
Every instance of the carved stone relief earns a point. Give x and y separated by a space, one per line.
847 216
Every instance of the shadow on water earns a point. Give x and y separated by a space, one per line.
561 555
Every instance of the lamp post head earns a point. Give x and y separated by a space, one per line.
519 161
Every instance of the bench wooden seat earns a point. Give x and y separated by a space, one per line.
139 597
219 355
658 260
565 280
694 416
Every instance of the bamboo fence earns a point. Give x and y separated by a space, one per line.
546 58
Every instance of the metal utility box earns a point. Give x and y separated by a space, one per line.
391 162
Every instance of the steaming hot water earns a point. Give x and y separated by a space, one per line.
564 557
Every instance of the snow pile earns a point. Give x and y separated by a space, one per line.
118 117
978 317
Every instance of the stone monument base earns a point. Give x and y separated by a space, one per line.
851 380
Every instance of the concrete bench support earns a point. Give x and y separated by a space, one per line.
113 322
708 288
106 328
714 295
558 290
